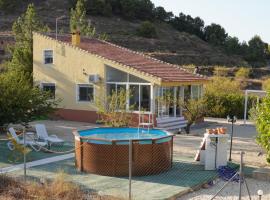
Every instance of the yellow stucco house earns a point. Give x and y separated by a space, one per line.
77 70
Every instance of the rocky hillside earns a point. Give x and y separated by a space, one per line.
170 45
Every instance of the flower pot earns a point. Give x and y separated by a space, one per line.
210 131
19 132
222 130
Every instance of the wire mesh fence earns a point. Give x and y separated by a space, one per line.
125 169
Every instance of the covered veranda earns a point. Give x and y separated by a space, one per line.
149 96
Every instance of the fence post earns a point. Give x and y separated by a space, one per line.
241 175
130 168
81 152
24 155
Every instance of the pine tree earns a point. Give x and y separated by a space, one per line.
78 20
22 51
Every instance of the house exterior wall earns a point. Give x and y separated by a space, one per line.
66 71
71 66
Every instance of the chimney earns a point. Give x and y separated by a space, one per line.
76 38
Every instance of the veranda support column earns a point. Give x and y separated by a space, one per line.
152 97
175 101
182 94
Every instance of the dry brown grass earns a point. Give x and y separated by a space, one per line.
59 188
11 189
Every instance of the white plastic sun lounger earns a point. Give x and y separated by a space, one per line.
43 135
36 145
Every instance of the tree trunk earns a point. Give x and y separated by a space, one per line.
188 128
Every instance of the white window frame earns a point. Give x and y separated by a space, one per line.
49 84
78 85
199 91
44 57
128 86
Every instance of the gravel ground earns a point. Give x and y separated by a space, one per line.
244 140
231 192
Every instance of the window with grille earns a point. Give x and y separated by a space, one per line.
49 87
48 56
85 93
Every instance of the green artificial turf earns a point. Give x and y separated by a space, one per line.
8 158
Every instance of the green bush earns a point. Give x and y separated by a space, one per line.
223 96
195 110
223 105
221 71
147 29
20 102
112 109
242 73
266 84
262 117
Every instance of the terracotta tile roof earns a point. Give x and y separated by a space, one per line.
165 71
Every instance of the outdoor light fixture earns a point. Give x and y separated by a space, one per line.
231 119
260 193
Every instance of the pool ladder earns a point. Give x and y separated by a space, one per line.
149 123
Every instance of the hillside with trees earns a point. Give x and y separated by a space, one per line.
142 26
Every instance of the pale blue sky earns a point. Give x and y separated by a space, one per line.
240 18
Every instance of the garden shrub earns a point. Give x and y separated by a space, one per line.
112 109
266 84
222 105
262 118
20 102
221 71
223 85
147 29
195 110
223 96
242 73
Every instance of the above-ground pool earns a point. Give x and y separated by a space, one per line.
105 151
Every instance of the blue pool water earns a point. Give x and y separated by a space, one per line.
122 134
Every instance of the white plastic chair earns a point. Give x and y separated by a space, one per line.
36 145
43 135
